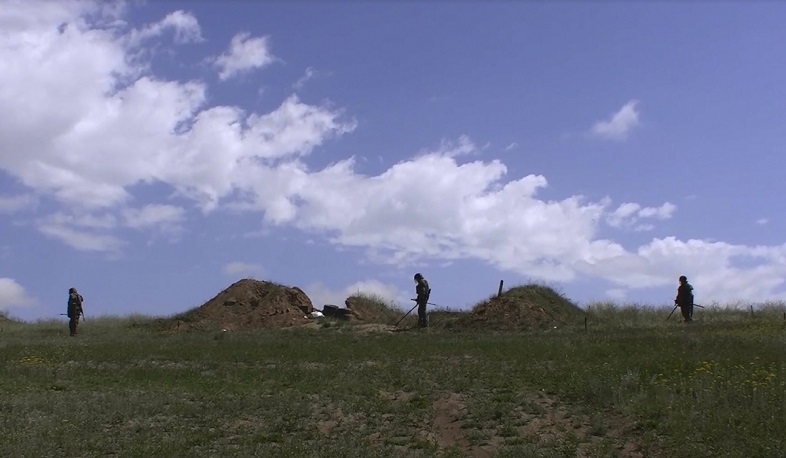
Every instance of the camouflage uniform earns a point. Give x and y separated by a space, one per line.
423 292
74 309
685 299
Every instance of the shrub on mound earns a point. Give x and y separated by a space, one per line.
531 306
370 308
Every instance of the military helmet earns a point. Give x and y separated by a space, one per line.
72 290
683 278
418 276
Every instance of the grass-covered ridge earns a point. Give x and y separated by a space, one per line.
632 384
523 307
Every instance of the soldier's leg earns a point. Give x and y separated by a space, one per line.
422 319
72 325
684 312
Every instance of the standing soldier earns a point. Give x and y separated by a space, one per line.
74 310
423 292
685 299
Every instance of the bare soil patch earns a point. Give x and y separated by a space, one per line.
249 304
449 412
539 422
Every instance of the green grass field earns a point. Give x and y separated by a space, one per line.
630 384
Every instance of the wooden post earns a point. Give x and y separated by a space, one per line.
585 324
499 293
751 310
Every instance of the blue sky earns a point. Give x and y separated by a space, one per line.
152 153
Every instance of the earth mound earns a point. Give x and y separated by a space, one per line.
250 304
525 307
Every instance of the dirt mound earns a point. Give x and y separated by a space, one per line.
523 307
249 304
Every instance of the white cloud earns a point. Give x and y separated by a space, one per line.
462 147
81 239
512 146
762 221
12 294
88 128
89 131
321 295
616 294
245 53
620 124
21 202
310 74
184 26
236 268
167 217
628 215
718 270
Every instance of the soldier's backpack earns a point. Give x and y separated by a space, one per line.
74 303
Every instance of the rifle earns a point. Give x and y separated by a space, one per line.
82 313
429 303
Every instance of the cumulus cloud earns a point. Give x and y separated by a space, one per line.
92 126
628 215
718 270
88 128
245 53
240 268
12 294
321 294
620 124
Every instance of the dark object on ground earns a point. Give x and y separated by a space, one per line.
334 311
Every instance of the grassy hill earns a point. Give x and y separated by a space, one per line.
632 384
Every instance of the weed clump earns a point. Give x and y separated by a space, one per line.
371 308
